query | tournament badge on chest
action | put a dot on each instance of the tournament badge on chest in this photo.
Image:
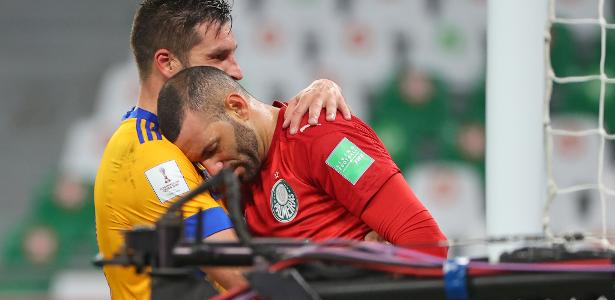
(284, 202)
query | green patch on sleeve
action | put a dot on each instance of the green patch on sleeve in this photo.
(349, 161)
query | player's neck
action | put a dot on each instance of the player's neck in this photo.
(148, 93)
(266, 122)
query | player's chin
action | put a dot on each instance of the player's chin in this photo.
(246, 173)
(245, 176)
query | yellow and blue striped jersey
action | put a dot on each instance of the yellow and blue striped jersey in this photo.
(140, 174)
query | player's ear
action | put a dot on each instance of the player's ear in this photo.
(237, 106)
(166, 63)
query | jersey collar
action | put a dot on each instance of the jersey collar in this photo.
(140, 113)
(280, 104)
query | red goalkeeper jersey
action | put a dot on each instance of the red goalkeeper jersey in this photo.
(317, 183)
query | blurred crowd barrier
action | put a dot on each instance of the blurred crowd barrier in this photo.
(414, 70)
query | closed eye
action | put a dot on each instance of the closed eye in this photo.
(222, 54)
(220, 57)
(209, 150)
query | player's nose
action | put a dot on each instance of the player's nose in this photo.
(213, 166)
(234, 70)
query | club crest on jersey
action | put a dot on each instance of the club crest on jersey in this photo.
(284, 202)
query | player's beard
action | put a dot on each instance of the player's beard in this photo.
(247, 146)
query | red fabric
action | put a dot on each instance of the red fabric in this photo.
(329, 205)
(400, 218)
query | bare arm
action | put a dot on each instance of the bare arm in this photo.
(227, 277)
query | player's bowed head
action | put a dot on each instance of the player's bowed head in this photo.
(215, 121)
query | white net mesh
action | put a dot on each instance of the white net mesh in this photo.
(555, 190)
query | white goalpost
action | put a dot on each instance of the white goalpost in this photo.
(515, 172)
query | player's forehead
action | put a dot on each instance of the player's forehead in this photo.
(215, 37)
(191, 137)
(199, 131)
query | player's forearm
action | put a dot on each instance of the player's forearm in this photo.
(398, 216)
(227, 277)
(422, 229)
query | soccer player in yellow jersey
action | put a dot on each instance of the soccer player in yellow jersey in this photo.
(141, 173)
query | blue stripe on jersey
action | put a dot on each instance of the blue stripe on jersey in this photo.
(140, 113)
(150, 118)
(148, 129)
(139, 132)
(214, 220)
(127, 114)
(157, 131)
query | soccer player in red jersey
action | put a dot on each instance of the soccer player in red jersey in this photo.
(331, 180)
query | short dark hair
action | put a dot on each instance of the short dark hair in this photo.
(200, 88)
(171, 24)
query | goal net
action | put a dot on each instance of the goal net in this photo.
(577, 143)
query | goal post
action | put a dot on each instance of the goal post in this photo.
(515, 157)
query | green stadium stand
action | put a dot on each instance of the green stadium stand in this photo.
(50, 237)
(411, 127)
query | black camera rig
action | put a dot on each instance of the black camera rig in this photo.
(338, 269)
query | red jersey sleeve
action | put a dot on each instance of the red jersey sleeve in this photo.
(400, 218)
(349, 162)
